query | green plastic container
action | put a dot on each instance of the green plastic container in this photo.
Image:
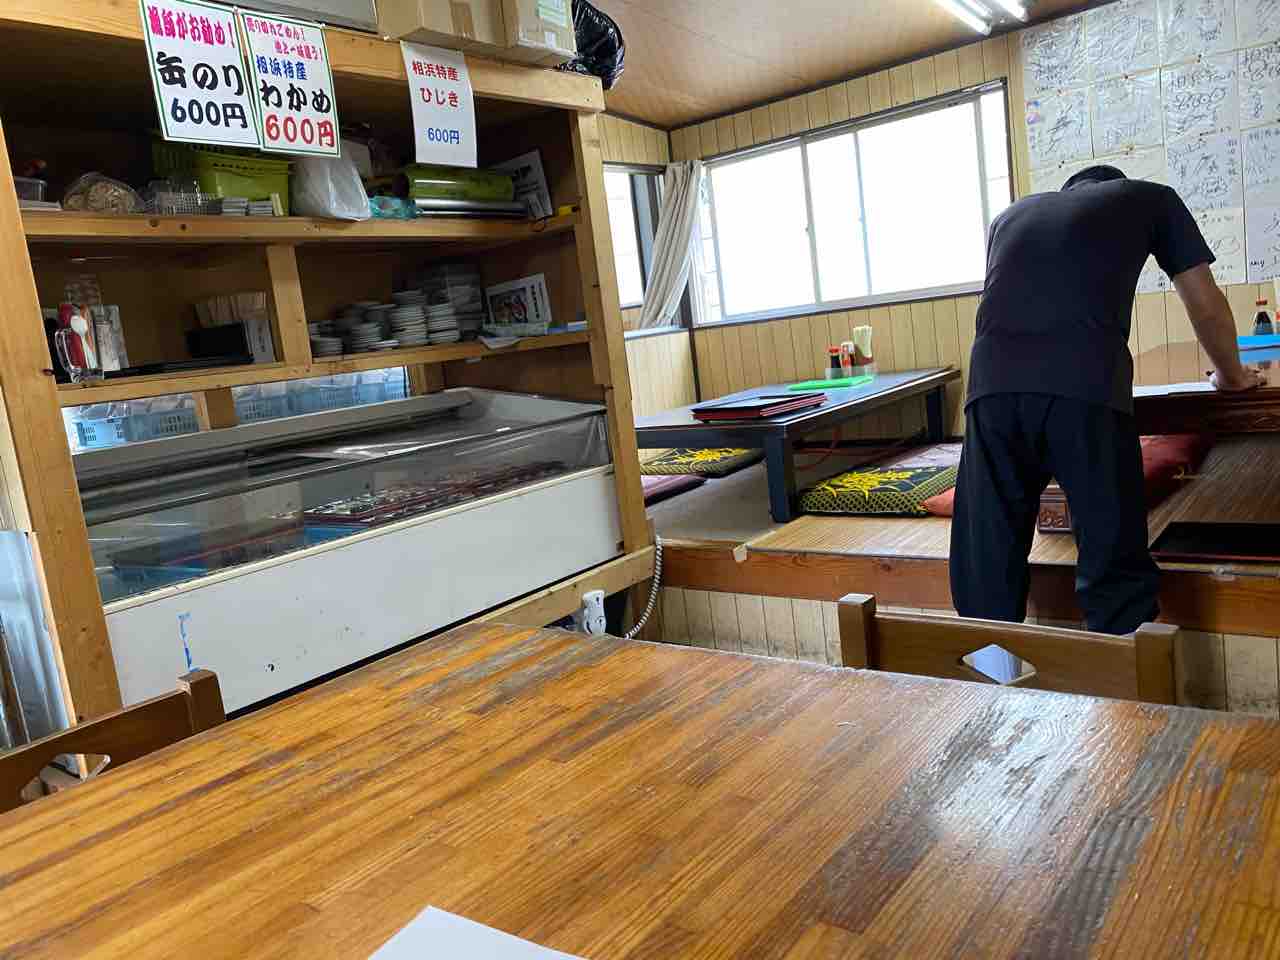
(224, 172)
(420, 181)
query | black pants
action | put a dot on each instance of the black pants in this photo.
(1013, 444)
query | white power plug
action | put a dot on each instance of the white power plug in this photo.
(590, 616)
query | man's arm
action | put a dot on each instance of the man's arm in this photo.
(1215, 328)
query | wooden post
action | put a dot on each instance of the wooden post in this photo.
(604, 325)
(857, 618)
(216, 409)
(47, 480)
(425, 378)
(289, 318)
(1153, 653)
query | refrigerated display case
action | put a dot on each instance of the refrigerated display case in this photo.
(277, 552)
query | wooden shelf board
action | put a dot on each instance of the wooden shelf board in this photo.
(49, 227)
(136, 388)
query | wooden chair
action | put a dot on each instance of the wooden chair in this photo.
(1134, 667)
(123, 736)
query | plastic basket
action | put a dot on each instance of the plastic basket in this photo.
(223, 172)
(154, 426)
(318, 398)
(256, 409)
(99, 434)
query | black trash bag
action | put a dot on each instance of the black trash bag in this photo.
(601, 50)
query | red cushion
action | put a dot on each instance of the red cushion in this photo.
(1166, 460)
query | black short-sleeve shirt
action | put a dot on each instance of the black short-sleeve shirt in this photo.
(1062, 270)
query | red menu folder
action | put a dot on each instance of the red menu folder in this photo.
(758, 408)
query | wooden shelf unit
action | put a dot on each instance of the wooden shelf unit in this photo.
(308, 264)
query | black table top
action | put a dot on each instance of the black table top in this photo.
(660, 430)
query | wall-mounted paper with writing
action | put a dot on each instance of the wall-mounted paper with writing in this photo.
(1126, 113)
(1262, 227)
(1153, 279)
(1200, 97)
(1257, 21)
(1206, 171)
(1259, 69)
(1049, 179)
(1195, 28)
(1224, 232)
(1262, 166)
(1121, 38)
(1058, 128)
(1053, 55)
(1149, 164)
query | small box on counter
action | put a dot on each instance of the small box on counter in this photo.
(539, 31)
(475, 26)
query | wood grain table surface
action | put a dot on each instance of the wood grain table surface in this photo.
(618, 799)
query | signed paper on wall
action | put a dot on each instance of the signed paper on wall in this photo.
(1053, 56)
(1126, 113)
(1058, 129)
(1206, 171)
(1195, 28)
(1223, 231)
(1200, 97)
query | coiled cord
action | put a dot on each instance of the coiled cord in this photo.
(653, 590)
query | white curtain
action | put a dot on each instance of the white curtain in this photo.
(673, 244)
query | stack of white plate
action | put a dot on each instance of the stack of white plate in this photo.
(442, 324)
(364, 337)
(324, 346)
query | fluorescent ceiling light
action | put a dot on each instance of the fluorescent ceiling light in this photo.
(1013, 8)
(965, 15)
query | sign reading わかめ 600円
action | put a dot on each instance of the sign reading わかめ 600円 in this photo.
(289, 63)
(198, 74)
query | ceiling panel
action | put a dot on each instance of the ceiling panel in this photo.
(691, 59)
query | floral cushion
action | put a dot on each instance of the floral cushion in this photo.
(878, 491)
(703, 463)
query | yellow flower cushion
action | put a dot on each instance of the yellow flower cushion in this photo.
(878, 491)
(703, 463)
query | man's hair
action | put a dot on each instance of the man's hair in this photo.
(1098, 174)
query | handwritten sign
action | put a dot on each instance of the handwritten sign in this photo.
(1260, 85)
(1142, 165)
(1263, 241)
(1053, 55)
(1153, 279)
(1195, 28)
(444, 116)
(1058, 128)
(1223, 231)
(1121, 38)
(1206, 171)
(197, 73)
(1262, 165)
(1126, 113)
(1200, 97)
(1050, 179)
(1258, 21)
(289, 63)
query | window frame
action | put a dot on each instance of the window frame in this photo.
(645, 206)
(971, 95)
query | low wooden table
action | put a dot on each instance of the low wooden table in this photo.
(777, 436)
(617, 799)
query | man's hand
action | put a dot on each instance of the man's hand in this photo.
(1245, 380)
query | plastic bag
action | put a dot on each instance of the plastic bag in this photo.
(97, 193)
(601, 50)
(328, 187)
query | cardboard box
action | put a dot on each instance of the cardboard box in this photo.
(475, 26)
(539, 31)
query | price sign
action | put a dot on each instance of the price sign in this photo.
(289, 65)
(444, 115)
(197, 73)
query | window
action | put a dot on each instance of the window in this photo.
(869, 212)
(633, 196)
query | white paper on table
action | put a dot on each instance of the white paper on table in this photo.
(1053, 55)
(1200, 97)
(1259, 70)
(1195, 28)
(1223, 231)
(1262, 231)
(1206, 171)
(437, 935)
(1125, 113)
(1121, 38)
(444, 107)
(1257, 21)
(1058, 128)
(1262, 165)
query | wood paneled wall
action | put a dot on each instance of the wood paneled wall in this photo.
(1214, 671)
(626, 142)
(661, 368)
(918, 334)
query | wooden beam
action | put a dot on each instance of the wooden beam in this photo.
(46, 475)
(216, 409)
(604, 325)
(563, 598)
(289, 316)
(425, 379)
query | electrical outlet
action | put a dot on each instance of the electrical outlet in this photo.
(590, 616)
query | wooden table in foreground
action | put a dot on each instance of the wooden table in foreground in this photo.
(617, 799)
